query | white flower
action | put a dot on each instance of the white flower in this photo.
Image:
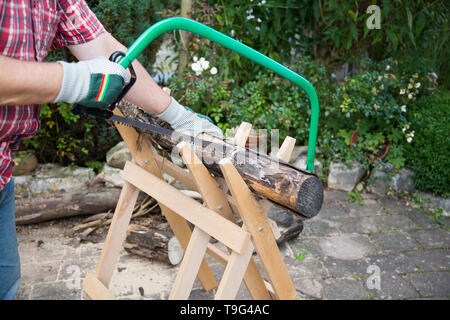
(402, 91)
(250, 17)
(388, 67)
(376, 107)
(410, 96)
(213, 70)
(257, 28)
(409, 139)
(410, 86)
(418, 85)
(259, 20)
(204, 63)
(411, 134)
(195, 58)
(196, 66)
(403, 108)
(232, 33)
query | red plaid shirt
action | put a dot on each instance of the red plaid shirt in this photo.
(28, 30)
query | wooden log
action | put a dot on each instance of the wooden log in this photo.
(153, 243)
(291, 187)
(65, 204)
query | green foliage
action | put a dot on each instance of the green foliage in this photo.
(339, 32)
(267, 101)
(375, 102)
(356, 197)
(66, 138)
(301, 254)
(429, 152)
(127, 19)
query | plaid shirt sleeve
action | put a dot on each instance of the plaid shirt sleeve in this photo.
(77, 25)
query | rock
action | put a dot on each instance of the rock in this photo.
(378, 181)
(300, 162)
(282, 217)
(118, 155)
(403, 181)
(49, 178)
(384, 179)
(344, 176)
(24, 163)
(111, 176)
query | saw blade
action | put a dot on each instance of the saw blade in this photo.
(153, 129)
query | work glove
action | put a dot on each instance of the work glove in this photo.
(94, 83)
(185, 121)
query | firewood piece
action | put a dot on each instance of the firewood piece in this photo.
(153, 243)
(65, 204)
(291, 187)
(105, 219)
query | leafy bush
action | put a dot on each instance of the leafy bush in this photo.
(429, 152)
(267, 101)
(127, 19)
(69, 139)
(375, 102)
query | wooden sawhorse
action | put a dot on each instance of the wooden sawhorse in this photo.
(213, 219)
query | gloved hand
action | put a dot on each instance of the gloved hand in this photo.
(185, 121)
(93, 83)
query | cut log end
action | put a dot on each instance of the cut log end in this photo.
(310, 197)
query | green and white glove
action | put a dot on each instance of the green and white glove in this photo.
(94, 83)
(185, 121)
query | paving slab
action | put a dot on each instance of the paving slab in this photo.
(340, 268)
(395, 222)
(438, 238)
(343, 289)
(59, 290)
(311, 288)
(431, 284)
(392, 263)
(308, 267)
(431, 260)
(370, 208)
(332, 212)
(349, 246)
(394, 287)
(320, 227)
(341, 248)
(364, 225)
(421, 219)
(397, 241)
(394, 205)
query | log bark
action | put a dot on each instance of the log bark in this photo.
(288, 186)
(153, 243)
(65, 204)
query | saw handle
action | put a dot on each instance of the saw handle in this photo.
(125, 89)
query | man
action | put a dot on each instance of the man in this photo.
(28, 30)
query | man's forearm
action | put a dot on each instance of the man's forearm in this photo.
(145, 93)
(26, 82)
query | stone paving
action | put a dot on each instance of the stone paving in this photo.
(382, 249)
